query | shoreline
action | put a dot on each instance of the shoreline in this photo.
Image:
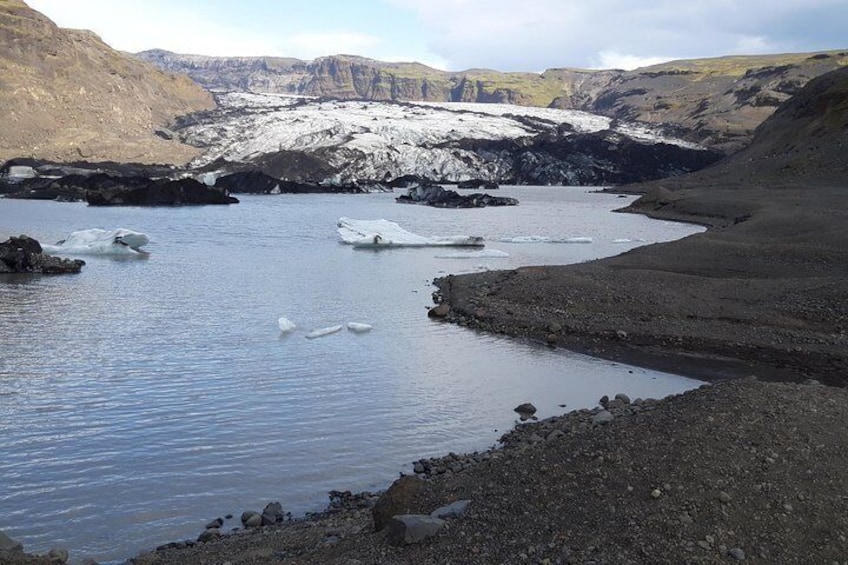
(704, 476)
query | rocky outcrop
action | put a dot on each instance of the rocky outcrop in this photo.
(438, 197)
(105, 190)
(257, 182)
(24, 255)
(66, 95)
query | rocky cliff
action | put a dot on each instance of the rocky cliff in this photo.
(66, 95)
(715, 102)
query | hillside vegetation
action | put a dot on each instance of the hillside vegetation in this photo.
(66, 95)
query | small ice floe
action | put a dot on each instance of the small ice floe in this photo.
(323, 332)
(377, 234)
(545, 239)
(482, 254)
(358, 328)
(627, 240)
(96, 241)
(286, 325)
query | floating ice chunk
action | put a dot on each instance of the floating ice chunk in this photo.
(286, 325)
(358, 328)
(101, 242)
(323, 331)
(545, 239)
(383, 233)
(482, 254)
(627, 240)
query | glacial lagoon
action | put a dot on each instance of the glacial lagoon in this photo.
(147, 396)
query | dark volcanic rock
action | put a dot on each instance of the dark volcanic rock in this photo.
(440, 198)
(105, 190)
(256, 182)
(24, 255)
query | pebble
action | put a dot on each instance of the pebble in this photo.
(723, 497)
(737, 554)
(656, 493)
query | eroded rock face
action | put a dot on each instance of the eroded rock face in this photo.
(24, 255)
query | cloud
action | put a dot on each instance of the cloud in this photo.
(312, 45)
(538, 34)
(613, 60)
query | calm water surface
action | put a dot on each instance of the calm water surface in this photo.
(144, 397)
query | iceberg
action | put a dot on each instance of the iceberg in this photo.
(96, 241)
(359, 328)
(545, 239)
(378, 234)
(482, 254)
(286, 325)
(323, 331)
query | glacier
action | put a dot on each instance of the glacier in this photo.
(382, 233)
(361, 139)
(96, 241)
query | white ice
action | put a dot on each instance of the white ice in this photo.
(96, 241)
(482, 254)
(383, 233)
(286, 325)
(357, 327)
(545, 239)
(323, 331)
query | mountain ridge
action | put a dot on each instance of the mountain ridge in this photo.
(717, 102)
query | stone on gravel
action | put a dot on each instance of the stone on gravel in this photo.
(602, 417)
(399, 499)
(273, 510)
(251, 519)
(216, 523)
(209, 534)
(453, 510)
(723, 497)
(623, 397)
(58, 555)
(407, 529)
(737, 554)
(439, 311)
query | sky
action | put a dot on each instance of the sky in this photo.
(506, 35)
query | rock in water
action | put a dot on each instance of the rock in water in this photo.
(434, 195)
(24, 255)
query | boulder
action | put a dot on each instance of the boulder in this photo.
(526, 408)
(251, 519)
(24, 255)
(400, 498)
(436, 196)
(406, 529)
(58, 555)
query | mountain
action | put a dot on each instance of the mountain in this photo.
(66, 95)
(317, 139)
(716, 102)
